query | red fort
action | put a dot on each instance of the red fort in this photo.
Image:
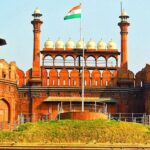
(56, 85)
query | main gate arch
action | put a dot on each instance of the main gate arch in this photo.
(4, 111)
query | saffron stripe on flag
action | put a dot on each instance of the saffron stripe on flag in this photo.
(75, 8)
(73, 13)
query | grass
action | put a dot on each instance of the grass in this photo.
(76, 131)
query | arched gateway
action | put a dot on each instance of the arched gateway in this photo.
(4, 111)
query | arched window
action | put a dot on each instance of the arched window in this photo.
(87, 79)
(101, 62)
(74, 78)
(106, 78)
(53, 77)
(69, 61)
(90, 61)
(64, 77)
(111, 62)
(96, 78)
(81, 61)
(48, 61)
(59, 61)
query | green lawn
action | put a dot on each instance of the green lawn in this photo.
(75, 131)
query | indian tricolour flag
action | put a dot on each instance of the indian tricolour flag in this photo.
(73, 13)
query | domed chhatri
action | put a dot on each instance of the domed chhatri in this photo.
(37, 11)
(124, 13)
(101, 45)
(80, 44)
(70, 44)
(111, 45)
(59, 44)
(49, 44)
(91, 44)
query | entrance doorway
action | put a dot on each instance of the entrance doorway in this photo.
(4, 111)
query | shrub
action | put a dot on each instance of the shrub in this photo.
(77, 131)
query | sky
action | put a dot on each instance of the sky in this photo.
(99, 20)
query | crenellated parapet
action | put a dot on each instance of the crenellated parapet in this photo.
(125, 78)
(143, 76)
(11, 74)
(21, 78)
(8, 71)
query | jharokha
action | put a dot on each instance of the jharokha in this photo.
(54, 83)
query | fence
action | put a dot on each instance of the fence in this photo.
(130, 117)
(100, 108)
(127, 117)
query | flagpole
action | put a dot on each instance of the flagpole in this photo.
(80, 26)
(82, 65)
(83, 79)
(80, 29)
(71, 15)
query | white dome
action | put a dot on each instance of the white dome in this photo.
(37, 11)
(111, 45)
(101, 45)
(49, 44)
(59, 44)
(91, 44)
(70, 44)
(124, 13)
(80, 44)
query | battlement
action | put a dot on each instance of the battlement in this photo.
(8, 71)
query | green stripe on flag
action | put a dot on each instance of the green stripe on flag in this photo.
(72, 16)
